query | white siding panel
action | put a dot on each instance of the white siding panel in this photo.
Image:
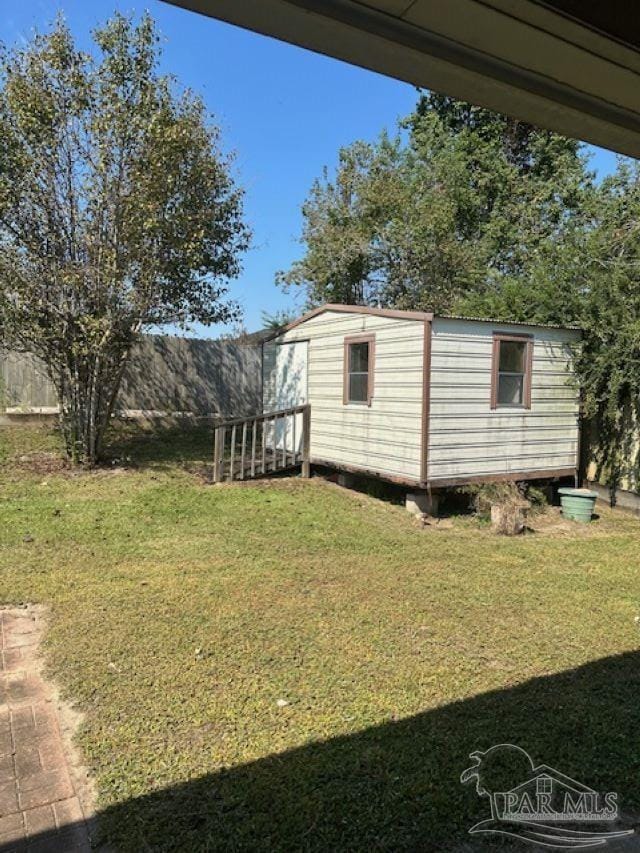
(490, 466)
(378, 462)
(453, 407)
(466, 438)
(385, 437)
(269, 376)
(469, 439)
(505, 450)
(481, 379)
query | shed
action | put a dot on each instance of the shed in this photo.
(429, 401)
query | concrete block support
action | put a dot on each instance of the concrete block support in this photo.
(422, 503)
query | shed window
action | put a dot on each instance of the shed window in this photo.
(511, 374)
(358, 370)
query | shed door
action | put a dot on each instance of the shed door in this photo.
(290, 389)
(291, 375)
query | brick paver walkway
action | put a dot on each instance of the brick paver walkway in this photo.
(40, 811)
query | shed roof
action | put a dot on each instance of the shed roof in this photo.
(570, 327)
(405, 315)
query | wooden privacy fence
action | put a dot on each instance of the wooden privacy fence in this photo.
(164, 375)
(251, 447)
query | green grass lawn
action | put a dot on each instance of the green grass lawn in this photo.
(184, 616)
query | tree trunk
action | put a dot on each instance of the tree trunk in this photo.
(87, 390)
(509, 519)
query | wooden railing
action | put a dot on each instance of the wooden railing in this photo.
(251, 447)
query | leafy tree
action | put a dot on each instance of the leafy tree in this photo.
(592, 279)
(514, 187)
(117, 212)
(466, 200)
(277, 319)
(341, 221)
(606, 270)
(487, 216)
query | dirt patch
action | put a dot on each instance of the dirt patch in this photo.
(44, 464)
(551, 522)
(40, 462)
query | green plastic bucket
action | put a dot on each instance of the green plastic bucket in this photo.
(577, 504)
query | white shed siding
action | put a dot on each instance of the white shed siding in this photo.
(269, 376)
(384, 437)
(467, 437)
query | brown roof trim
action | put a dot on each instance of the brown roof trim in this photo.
(354, 309)
(365, 472)
(512, 476)
(426, 400)
(570, 328)
(408, 315)
(448, 482)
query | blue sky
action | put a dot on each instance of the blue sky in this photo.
(283, 110)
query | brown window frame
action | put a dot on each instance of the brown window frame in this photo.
(348, 341)
(498, 337)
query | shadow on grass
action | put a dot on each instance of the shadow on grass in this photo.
(397, 786)
(184, 442)
(147, 444)
(452, 503)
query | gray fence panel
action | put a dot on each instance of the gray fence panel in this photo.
(24, 384)
(165, 375)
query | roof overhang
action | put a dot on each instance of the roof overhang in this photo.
(572, 66)
(398, 314)
(352, 309)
